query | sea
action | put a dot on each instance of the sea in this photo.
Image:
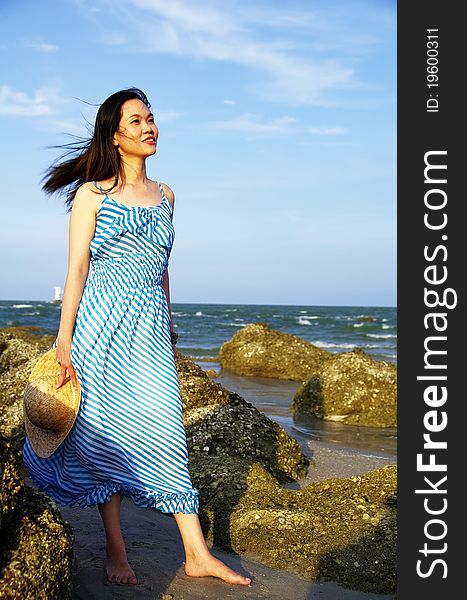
(203, 328)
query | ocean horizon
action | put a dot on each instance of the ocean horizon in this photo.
(204, 327)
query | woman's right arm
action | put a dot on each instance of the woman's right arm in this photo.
(82, 226)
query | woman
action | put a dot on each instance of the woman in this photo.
(116, 338)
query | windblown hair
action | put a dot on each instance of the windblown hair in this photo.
(96, 158)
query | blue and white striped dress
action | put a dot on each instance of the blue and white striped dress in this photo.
(129, 434)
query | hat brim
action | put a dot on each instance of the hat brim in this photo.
(45, 442)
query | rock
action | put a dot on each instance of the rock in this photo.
(338, 529)
(238, 458)
(352, 388)
(258, 350)
(37, 543)
(221, 423)
(20, 348)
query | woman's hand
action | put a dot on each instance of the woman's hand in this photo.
(63, 356)
(174, 350)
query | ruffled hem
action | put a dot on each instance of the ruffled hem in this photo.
(166, 502)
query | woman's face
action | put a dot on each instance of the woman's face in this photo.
(137, 132)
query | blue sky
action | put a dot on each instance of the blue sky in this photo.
(277, 129)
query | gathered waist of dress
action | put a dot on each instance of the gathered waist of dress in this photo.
(134, 271)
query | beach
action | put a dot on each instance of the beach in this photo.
(156, 553)
(155, 549)
(154, 546)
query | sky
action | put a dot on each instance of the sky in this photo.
(277, 135)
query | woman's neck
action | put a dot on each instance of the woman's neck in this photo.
(135, 171)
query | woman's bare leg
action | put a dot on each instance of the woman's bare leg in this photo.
(116, 562)
(199, 560)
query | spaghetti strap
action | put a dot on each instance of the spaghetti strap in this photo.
(99, 187)
(164, 197)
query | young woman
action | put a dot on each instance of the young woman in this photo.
(116, 337)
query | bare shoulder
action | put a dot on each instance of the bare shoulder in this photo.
(87, 197)
(169, 193)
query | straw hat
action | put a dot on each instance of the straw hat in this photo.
(49, 413)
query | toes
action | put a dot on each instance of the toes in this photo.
(241, 579)
(123, 579)
(120, 574)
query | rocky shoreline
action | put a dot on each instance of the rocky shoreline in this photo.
(349, 387)
(339, 529)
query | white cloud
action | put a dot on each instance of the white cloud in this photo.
(201, 31)
(328, 130)
(17, 103)
(114, 38)
(272, 17)
(250, 124)
(41, 46)
(229, 101)
(84, 5)
(193, 16)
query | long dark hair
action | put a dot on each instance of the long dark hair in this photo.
(96, 158)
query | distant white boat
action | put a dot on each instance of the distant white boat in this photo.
(58, 297)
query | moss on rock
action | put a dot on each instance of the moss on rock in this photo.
(20, 348)
(338, 529)
(220, 423)
(261, 351)
(352, 388)
(37, 543)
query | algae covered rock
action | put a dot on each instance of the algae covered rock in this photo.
(338, 529)
(20, 348)
(36, 553)
(352, 388)
(261, 351)
(221, 423)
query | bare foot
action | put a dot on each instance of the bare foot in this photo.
(210, 565)
(119, 570)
